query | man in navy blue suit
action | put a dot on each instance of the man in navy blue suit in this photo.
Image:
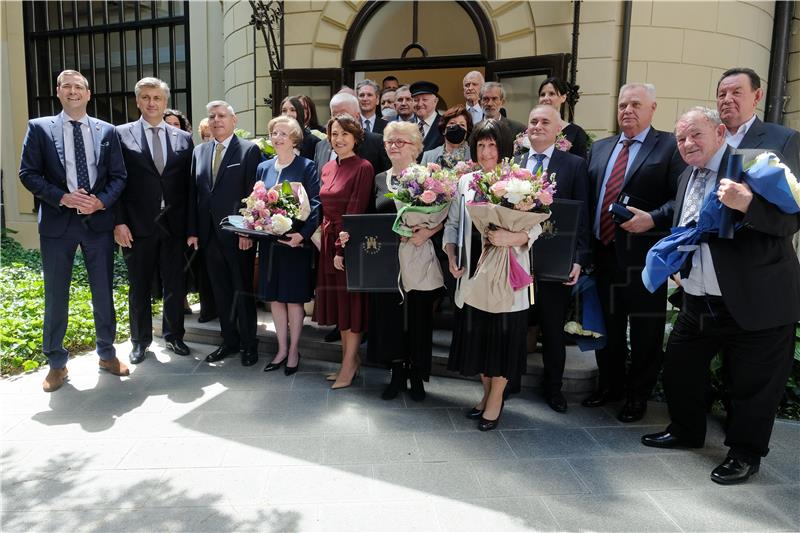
(223, 173)
(641, 167)
(73, 164)
(151, 216)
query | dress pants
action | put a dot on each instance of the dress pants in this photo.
(624, 298)
(163, 255)
(58, 255)
(230, 271)
(552, 302)
(758, 364)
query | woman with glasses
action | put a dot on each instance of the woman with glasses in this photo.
(456, 126)
(286, 264)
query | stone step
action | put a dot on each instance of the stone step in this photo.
(580, 372)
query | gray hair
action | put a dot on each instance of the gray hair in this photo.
(472, 74)
(405, 88)
(370, 83)
(60, 78)
(493, 85)
(153, 83)
(649, 88)
(219, 103)
(345, 98)
(711, 115)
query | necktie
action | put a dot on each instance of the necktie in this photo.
(613, 187)
(421, 125)
(217, 160)
(367, 125)
(694, 200)
(80, 157)
(158, 151)
(539, 163)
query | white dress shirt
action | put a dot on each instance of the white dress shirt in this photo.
(735, 139)
(475, 112)
(162, 136)
(69, 152)
(548, 153)
(427, 122)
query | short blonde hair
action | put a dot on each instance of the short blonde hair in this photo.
(295, 131)
(203, 128)
(406, 129)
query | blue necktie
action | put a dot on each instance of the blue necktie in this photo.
(539, 160)
(80, 157)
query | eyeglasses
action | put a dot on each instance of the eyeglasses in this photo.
(397, 142)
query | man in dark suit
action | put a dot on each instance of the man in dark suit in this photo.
(73, 165)
(641, 165)
(371, 149)
(493, 98)
(404, 104)
(223, 172)
(151, 216)
(742, 297)
(367, 93)
(425, 101)
(553, 297)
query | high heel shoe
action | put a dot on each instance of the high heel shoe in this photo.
(474, 414)
(344, 384)
(488, 425)
(289, 370)
(275, 366)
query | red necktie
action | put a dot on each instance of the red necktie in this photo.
(613, 187)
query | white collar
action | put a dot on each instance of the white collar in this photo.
(225, 143)
(548, 152)
(743, 129)
(146, 125)
(66, 119)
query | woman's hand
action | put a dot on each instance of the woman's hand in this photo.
(245, 243)
(502, 237)
(295, 240)
(343, 238)
(454, 270)
(338, 262)
(574, 274)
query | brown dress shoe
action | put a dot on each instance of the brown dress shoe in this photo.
(55, 379)
(114, 366)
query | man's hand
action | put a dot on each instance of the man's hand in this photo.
(734, 195)
(574, 274)
(245, 243)
(338, 262)
(642, 221)
(82, 201)
(122, 235)
(192, 241)
(295, 240)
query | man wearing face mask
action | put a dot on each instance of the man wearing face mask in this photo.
(455, 127)
(388, 111)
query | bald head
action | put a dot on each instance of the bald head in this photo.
(544, 124)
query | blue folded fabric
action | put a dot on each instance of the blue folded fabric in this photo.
(591, 314)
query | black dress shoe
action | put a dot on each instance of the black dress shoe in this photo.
(202, 319)
(178, 346)
(474, 414)
(665, 439)
(138, 353)
(557, 402)
(397, 383)
(600, 398)
(220, 353)
(488, 425)
(417, 389)
(333, 335)
(250, 356)
(632, 411)
(289, 370)
(275, 366)
(733, 471)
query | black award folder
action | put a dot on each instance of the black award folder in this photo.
(553, 252)
(370, 257)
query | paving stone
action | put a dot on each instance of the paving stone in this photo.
(318, 484)
(617, 512)
(370, 449)
(175, 453)
(541, 443)
(625, 474)
(408, 420)
(377, 516)
(527, 477)
(785, 462)
(494, 514)
(626, 439)
(421, 481)
(362, 398)
(276, 450)
(463, 446)
(206, 487)
(695, 466)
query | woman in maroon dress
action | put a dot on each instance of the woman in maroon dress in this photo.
(346, 190)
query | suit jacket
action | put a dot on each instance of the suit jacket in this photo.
(434, 137)
(572, 183)
(139, 207)
(515, 127)
(43, 172)
(378, 124)
(371, 149)
(773, 137)
(303, 171)
(652, 179)
(235, 180)
(757, 271)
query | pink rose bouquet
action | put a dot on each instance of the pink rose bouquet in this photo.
(273, 210)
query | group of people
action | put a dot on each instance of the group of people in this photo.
(146, 185)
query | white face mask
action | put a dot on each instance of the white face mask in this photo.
(389, 113)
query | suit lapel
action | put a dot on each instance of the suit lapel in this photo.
(141, 140)
(172, 144)
(604, 156)
(754, 136)
(97, 138)
(57, 133)
(644, 152)
(233, 146)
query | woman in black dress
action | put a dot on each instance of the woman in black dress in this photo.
(286, 265)
(553, 91)
(293, 107)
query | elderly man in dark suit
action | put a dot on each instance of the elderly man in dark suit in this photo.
(493, 98)
(639, 168)
(553, 297)
(425, 98)
(73, 164)
(223, 173)
(742, 297)
(151, 216)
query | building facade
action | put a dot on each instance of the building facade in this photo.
(209, 50)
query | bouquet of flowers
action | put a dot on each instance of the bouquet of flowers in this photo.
(511, 198)
(274, 210)
(422, 198)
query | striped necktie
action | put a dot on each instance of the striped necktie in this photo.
(613, 188)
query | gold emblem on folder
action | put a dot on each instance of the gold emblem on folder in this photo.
(371, 245)
(549, 229)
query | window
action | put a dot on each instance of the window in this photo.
(113, 44)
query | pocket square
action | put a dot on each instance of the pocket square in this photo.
(234, 165)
